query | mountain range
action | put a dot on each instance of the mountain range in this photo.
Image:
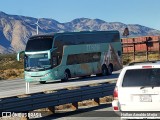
(15, 29)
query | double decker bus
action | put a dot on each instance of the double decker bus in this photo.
(71, 54)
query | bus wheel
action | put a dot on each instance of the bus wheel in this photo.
(42, 82)
(66, 76)
(110, 70)
(98, 75)
(87, 76)
(104, 70)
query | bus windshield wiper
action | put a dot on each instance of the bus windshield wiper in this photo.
(28, 68)
(41, 67)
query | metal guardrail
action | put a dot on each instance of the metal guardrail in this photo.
(46, 99)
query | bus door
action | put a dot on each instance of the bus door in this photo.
(57, 68)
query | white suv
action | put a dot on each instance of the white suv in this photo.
(138, 88)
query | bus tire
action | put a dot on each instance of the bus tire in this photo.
(104, 70)
(42, 82)
(87, 76)
(110, 69)
(98, 75)
(66, 76)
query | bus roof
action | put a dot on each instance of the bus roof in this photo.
(58, 40)
(73, 33)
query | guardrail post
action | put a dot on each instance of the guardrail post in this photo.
(75, 106)
(27, 87)
(134, 49)
(96, 101)
(51, 109)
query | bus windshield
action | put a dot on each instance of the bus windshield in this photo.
(39, 44)
(37, 62)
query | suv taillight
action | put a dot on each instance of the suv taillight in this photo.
(115, 94)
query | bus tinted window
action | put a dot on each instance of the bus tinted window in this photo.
(83, 58)
(68, 40)
(64, 40)
(39, 44)
(93, 38)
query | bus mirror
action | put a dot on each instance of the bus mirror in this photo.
(49, 55)
(18, 55)
(119, 53)
(18, 58)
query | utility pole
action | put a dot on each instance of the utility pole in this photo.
(126, 34)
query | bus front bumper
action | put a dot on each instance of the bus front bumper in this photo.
(39, 76)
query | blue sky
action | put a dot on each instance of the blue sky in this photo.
(143, 12)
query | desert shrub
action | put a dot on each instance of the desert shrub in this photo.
(8, 61)
(10, 68)
(126, 61)
(11, 73)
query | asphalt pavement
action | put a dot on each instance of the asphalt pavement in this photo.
(17, 87)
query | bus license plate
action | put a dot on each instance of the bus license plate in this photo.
(37, 79)
(145, 98)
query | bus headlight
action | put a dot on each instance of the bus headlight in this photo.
(46, 74)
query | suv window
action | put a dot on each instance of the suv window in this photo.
(141, 77)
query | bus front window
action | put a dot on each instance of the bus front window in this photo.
(37, 62)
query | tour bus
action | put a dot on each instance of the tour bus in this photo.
(71, 54)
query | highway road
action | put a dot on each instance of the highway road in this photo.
(17, 87)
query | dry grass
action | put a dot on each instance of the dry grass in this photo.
(10, 68)
(128, 58)
(63, 107)
(11, 74)
(107, 99)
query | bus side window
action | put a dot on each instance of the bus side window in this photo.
(75, 59)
